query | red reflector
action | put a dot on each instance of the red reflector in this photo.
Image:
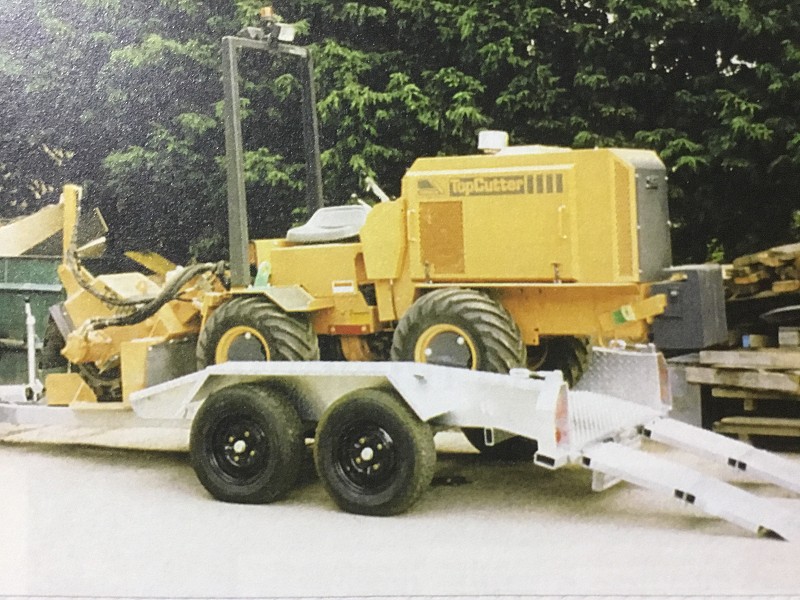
(349, 329)
(562, 417)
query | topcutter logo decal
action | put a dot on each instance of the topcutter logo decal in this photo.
(488, 186)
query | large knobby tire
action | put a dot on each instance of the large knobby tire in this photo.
(373, 454)
(570, 355)
(459, 328)
(247, 444)
(465, 328)
(253, 328)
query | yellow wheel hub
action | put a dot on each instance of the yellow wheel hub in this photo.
(446, 344)
(241, 343)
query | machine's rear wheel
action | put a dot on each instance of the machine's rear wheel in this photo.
(247, 444)
(373, 454)
(467, 329)
(570, 355)
(253, 328)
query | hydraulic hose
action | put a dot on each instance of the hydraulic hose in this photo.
(167, 294)
(73, 262)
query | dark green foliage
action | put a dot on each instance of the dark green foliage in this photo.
(125, 95)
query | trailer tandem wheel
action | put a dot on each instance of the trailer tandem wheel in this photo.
(247, 444)
(373, 454)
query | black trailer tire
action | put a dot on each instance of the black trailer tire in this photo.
(465, 328)
(247, 444)
(373, 454)
(253, 328)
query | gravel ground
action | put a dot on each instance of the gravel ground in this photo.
(83, 521)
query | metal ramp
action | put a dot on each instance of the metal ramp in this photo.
(737, 455)
(715, 497)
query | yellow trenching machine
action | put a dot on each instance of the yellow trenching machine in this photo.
(516, 256)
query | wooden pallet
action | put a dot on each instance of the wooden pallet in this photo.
(756, 378)
(787, 382)
(744, 427)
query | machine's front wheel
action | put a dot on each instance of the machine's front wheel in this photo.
(247, 444)
(467, 329)
(253, 328)
(373, 454)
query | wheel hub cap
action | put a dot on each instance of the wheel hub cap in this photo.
(239, 448)
(366, 457)
(446, 344)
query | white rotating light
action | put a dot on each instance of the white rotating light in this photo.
(491, 141)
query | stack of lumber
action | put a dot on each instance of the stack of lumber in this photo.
(755, 377)
(776, 270)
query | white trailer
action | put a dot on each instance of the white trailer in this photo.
(245, 426)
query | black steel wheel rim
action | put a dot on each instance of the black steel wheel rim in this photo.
(239, 448)
(365, 458)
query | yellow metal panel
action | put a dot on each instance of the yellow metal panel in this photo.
(260, 250)
(625, 218)
(441, 238)
(316, 267)
(384, 297)
(129, 285)
(153, 261)
(383, 238)
(70, 197)
(514, 222)
(20, 236)
(642, 310)
(65, 388)
(526, 214)
(133, 360)
(570, 309)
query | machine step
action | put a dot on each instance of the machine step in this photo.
(715, 497)
(737, 455)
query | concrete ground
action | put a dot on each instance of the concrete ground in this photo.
(96, 522)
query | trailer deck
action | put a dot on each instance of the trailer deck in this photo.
(601, 431)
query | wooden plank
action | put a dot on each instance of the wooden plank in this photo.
(748, 260)
(786, 252)
(746, 291)
(790, 285)
(757, 340)
(789, 338)
(751, 278)
(764, 358)
(782, 381)
(744, 394)
(746, 426)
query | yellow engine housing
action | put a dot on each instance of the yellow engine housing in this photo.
(562, 238)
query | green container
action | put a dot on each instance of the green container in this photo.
(21, 277)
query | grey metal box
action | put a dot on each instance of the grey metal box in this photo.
(695, 314)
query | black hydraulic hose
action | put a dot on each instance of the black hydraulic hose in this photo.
(170, 292)
(74, 264)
